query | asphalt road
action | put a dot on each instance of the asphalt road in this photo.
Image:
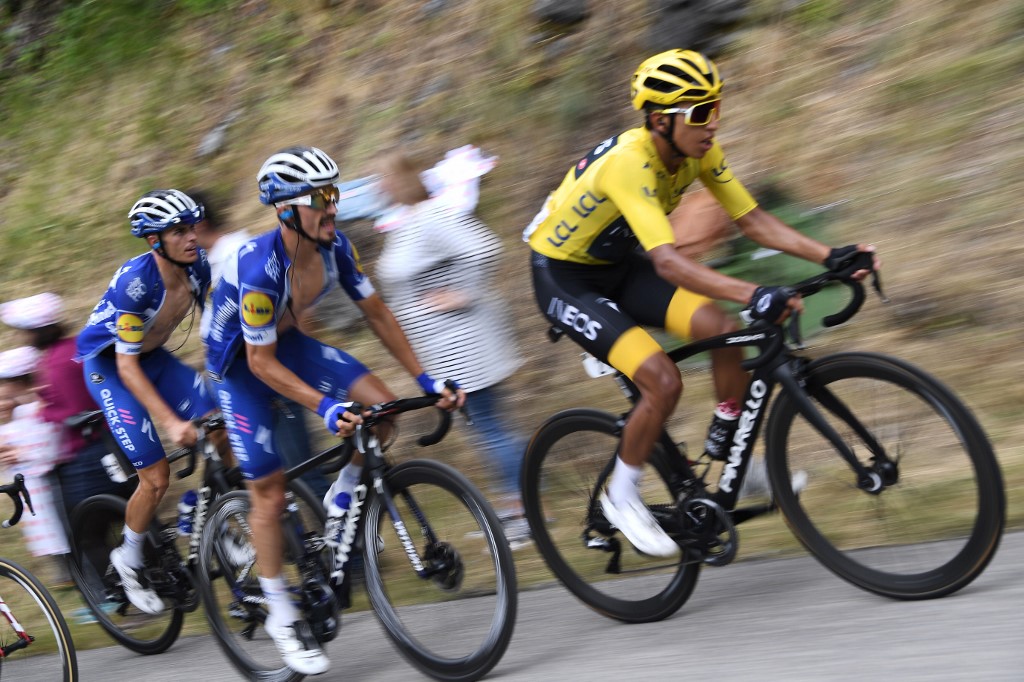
(758, 620)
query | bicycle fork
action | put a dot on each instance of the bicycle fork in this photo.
(792, 376)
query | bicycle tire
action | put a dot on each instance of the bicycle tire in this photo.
(34, 662)
(255, 657)
(927, 535)
(97, 524)
(443, 639)
(567, 461)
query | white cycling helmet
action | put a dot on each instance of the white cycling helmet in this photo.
(295, 171)
(160, 209)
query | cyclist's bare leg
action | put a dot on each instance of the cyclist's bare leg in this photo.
(268, 501)
(729, 377)
(660, 387)
(153, 482)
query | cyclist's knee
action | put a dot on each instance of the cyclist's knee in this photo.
(658, 380)
(711, 320)
(267, 494)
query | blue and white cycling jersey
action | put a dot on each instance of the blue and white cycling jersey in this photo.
(128, 309)
(254, 293)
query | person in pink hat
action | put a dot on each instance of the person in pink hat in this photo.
(29, 446)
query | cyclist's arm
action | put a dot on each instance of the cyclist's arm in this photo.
(179, 430)
(683, 272)
(386, 328)
(263, 363)
(767, 230)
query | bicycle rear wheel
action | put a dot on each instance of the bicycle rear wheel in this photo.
(567, 464)
(937, 522)
(97, 525)
(229, 580)
(456, 623)
(50, 653)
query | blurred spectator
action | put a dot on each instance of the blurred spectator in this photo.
(437, 270)
(30, 446)
(60, 386)
(291, 437)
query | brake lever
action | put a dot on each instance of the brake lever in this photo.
(794, 330)
(20, 480)
(876, 283)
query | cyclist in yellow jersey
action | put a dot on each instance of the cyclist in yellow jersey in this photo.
(591, 280)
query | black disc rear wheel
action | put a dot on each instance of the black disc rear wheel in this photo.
(97, 526)
(567, 464)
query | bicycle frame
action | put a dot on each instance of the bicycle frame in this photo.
(375, 466)
(775, 364)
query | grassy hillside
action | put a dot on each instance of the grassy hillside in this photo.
(907, 114)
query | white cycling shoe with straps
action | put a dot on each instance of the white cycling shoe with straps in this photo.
(135, 586)
(298, 647)
(756, 484)
(635, 521)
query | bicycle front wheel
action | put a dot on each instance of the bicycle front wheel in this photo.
(937, 521)
(452, 615)
(97, 526)
(567, 465)
(34, 637)
(228, 579)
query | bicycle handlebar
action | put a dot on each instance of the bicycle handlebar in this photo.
(16, 491)
(862, 261)
(378, 412)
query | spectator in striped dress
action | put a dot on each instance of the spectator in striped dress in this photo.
(437, 270)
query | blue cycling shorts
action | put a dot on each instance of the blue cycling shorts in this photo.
(247, 402)
(180, 386)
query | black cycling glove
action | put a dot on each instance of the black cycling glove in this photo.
(768, 303)
(841, 257)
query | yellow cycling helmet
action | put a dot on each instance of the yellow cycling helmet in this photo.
(675, 76)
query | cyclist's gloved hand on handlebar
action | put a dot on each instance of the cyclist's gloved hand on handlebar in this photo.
(453, 395)
(844, 257)
(337, 418)
(772, 304)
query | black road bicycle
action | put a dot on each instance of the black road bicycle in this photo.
(35, 643)
(435, 562)
(97, 525)
(904, 496)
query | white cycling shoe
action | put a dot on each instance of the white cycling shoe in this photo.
(138, 591)
(637, 523)
(756, 484)
(298, 648)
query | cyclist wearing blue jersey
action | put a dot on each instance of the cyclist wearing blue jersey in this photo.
(255, 351)
(140, 385)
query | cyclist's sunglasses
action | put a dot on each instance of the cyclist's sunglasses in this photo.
(317, 199)
(699, 114)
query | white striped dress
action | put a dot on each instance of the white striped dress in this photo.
(435, 248)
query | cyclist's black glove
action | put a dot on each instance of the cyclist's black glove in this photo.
(841, 257)
(768, 303)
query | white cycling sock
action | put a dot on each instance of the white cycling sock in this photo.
(133, 547)
(625, 480)
(281, 609)
(346, 482)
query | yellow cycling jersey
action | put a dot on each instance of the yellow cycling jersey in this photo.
(620, 195)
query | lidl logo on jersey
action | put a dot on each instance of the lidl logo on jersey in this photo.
(257, 309)
(130, 328)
